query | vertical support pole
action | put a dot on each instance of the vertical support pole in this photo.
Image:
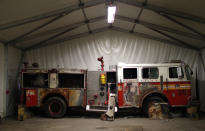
(17, 77)
(202, 61)
(5, 87)
(198, 86)
(19, 65)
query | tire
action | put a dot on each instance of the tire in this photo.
(55, 107)
(149, 102)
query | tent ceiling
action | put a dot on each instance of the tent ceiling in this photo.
(49, 21)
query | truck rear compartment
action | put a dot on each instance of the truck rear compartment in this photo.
(97, 93)
(71, 80)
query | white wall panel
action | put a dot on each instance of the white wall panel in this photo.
(113, 46)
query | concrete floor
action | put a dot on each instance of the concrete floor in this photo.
(93, 123)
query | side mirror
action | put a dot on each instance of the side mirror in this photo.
(191, 73)
(179, 72)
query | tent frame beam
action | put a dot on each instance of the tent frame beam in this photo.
(57, 12)
(68, 38)
(61, 28)
(144, 23)
(51, 38)
(138, 16)
(173, 38)
(81, 5)
(58, 41)
(182, 24)
(158, 39)
(119, 17)
(159, 27)
(4, 43)
(13, 42)
(72, 8)
(164, 10)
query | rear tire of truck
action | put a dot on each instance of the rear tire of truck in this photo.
(55, 107)
(150, 102)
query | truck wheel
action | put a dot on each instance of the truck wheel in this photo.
(149, 103)
(55, 107)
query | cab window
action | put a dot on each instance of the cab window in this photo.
(174, 72)
(150, 73)
(130, 73)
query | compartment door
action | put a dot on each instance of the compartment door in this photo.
(76, 97)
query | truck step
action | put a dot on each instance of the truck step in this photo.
(96, 108)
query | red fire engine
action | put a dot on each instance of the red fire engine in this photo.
(132, 85)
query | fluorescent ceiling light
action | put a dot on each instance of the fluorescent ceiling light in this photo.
(111, 14)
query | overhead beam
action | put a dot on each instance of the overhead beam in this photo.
(155, 38)
(116, 29)
(87, 4)
(52, 31)
(173, 38)
(17, 47)
(138, 16)
(68, 38)
(13, 42)
(71, 8)
(164, 10)
(4, 43)
(65, 10)
(182, 24)
(171, 30)
(81, 4)
(159, 27)
(50, 38)
(117, 17)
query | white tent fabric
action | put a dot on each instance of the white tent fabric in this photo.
(8, 93)
(114, 46)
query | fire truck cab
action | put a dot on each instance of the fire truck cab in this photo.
(141, 84)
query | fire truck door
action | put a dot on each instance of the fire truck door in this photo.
(130, 94)
(130, 87)
(174, 86)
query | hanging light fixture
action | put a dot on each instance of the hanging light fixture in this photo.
(111, 13)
